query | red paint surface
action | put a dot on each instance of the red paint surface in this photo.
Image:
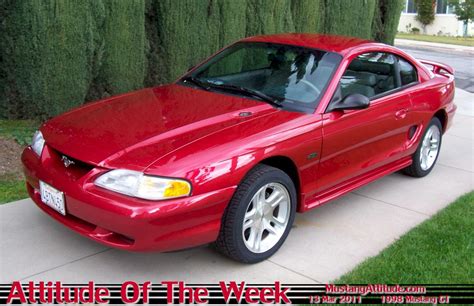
(178, 131)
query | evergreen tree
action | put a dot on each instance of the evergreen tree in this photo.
(464, 11)
(425, 12)
(386, 19)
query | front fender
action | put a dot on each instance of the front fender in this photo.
(223, 159)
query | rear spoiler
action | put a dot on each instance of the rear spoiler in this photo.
(438, 68)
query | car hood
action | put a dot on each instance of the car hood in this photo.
(151, 123)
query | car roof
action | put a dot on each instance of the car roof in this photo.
(333, 43)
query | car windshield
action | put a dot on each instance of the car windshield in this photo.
(287, 76)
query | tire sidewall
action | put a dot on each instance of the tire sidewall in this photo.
(275, 176)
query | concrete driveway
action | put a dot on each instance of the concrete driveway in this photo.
(324, 244)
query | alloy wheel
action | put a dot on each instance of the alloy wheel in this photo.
(430, 147)
(266, 217)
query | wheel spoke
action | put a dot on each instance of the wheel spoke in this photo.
(268, 226)
(250, 214)
(248, 223)
(278, 222)
(255, 202)
(258, 238)
(260, 198)
(429, 135)
(275, 194)
(426, 154)
(424, 159)
(251, 239)
(277, 201)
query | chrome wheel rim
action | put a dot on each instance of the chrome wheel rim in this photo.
(266, 218)
(430, 148)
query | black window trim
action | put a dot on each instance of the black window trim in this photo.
(409, 62)
(395, 90)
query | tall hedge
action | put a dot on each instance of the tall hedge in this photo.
(181, 32)
(385, 23)
(123, 62)
(229, 16)
(57, 54)
(349, 17)
(152, 43)
(308, 15)
(48, 49)
(269, 17)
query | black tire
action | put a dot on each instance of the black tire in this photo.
(415, 169)
(230, 241)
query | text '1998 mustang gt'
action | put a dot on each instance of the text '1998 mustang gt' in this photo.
(267, 127)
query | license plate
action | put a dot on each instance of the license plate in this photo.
(53, 198)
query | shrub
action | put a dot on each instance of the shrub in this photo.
(227, 21)
(269, 17)
(348, 17)
(426, 12)
(57, 54)
(464, 11)
(215, 22)
(308, 15)
(183, 36)
(123, 62)
(385, 23)
(48, 49)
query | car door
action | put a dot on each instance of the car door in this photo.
(356, 142)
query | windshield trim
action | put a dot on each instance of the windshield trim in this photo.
(291, 106)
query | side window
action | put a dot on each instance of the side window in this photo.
(370, 74)
(407, 72)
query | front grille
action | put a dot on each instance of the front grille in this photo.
(73, 167)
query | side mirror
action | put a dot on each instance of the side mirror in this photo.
(352, 101)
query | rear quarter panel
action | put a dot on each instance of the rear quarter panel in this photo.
(431, 96)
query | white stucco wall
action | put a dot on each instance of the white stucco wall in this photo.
(443, 25)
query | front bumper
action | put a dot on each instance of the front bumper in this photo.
(121, 221)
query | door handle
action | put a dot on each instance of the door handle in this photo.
(401, 114)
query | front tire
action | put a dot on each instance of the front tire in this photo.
(427, 153)
(259, 216)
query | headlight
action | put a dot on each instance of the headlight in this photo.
(137, 184)
(37, 144)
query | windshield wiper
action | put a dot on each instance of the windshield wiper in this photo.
(249, 92)
(197, 82)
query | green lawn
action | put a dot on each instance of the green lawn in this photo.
(12, 185)
(451, 40)
(20, 130)
(440, 250)
(12, 189)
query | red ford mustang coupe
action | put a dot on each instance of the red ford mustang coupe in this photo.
(267, 127)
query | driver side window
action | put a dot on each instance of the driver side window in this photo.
(370, 74)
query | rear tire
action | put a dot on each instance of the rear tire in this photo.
(259, 217)
(428, 150)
